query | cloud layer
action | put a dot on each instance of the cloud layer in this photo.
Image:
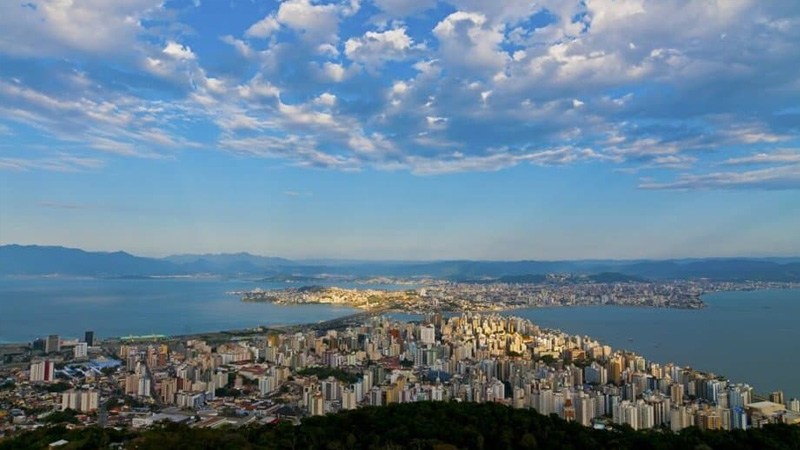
(668, 92)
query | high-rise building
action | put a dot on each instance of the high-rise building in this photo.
(132, 384)
(88, 337)
(330, 389)
(39, 345)
(615, 370)
(794, 405)
(42, 371)
(84, 401)
(81, 350)
(53, 344)
(777, 397)
(168, 388)
(89, 401)
(427, 334)
(70, 399)
(596, 374)
(349, 399)
(144, 387)
(676, 394)
(266, 384)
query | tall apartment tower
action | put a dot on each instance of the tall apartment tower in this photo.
(53, 344)
(777, 397)
(42, 371)
(81, 350)
(88, 337)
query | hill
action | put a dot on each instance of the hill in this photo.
(46, 260)
(424, 425)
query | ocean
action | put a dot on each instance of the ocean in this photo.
(36, 307)
(750, 337)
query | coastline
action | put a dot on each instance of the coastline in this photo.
(612, 326)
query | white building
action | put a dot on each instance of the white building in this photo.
(427, 334)
(43, 371)
(266, 384)
(190, 400)
(349, 399)
(81, 350)
(144, 387)
(83, 401)
(70, 399)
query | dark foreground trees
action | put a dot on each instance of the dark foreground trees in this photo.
(427, 425)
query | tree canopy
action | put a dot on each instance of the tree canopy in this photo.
(424, 425)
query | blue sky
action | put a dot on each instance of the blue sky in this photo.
(402, 129)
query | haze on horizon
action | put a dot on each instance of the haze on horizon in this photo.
(402, 129)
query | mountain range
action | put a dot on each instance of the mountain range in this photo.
(49, 260)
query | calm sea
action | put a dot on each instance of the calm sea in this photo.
(35, 307)
(750, 337)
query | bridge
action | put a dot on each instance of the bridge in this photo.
(339, 322)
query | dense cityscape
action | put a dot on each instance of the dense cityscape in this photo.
(271, 375)
(554, 290)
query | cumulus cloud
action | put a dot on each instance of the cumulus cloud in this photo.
(374, 48)
(675, 88)
(53, 27)
(178, 51)
(314, 21)
(263, 28)
(468, 41)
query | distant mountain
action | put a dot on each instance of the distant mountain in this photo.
(522, 279)
(45, 260)
(613, 277)
(228, 259)
(734, 269)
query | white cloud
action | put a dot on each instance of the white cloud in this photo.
(783, 177)
(786, 155)
(314, 21)
(263, 28)
(326, 99)
(52, 27)
(642, 85)
(178, 51)
(258, 88)
(333, 71)
(241, 47)
(507, 11)
(468, 41)
(374, 48)
(328, 49)
(399, 87)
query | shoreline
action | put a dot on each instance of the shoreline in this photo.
(403, 311)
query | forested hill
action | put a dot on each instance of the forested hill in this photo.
(427, 425)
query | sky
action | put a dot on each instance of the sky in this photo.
(402, 129)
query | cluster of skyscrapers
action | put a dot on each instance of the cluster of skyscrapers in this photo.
(471, 358)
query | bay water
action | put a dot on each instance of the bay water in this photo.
(751, 337)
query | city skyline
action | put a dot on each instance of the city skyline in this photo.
(413, 130)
